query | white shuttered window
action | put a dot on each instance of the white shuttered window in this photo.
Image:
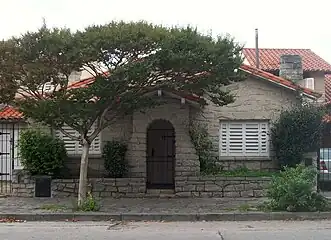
(244, 138)
(73, 147)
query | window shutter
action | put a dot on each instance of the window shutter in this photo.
(73, 146)
(46, 87)
(236, 136)
(244, 138)
(251, 138)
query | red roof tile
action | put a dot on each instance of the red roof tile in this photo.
(270, 59)
(327, 87)
(278, 80)
(10, 113)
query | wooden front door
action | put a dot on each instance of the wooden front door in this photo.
(160, 155)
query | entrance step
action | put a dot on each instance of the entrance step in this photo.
(162, 193)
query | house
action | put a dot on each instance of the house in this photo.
(160, 151)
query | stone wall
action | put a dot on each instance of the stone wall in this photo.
(202, 186)
(214, 186)
(23, 186)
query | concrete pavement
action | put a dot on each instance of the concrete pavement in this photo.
(303, 230)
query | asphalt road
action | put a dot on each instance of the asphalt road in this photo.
(164, 231)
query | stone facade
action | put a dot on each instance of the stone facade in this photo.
(217, 186)
(202, 186)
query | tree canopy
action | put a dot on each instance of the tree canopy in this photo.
(126, 60)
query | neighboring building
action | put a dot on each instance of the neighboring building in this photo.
(314, 67)
(160, 150)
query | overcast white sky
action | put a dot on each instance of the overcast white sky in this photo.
(281, 23)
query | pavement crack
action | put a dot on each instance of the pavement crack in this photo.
(220, 234)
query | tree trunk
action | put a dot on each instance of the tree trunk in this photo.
(82, 189)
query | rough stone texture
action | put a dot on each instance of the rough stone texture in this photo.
(255, 99)
(214, 186)
(203, 186)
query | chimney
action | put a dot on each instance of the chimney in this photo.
(257, 57)
(291, 68)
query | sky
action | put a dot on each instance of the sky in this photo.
(281, 23)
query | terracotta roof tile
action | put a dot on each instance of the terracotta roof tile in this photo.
(270, 59)
(10, 113)
(327, 86)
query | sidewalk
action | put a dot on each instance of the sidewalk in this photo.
(146, 209)
(128, 205)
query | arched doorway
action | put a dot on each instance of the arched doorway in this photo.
(160, 155)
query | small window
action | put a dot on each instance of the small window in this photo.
(241, 138)
(73, 147)
(309, 83)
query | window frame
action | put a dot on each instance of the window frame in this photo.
(226, 139)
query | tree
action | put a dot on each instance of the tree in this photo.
(127, 61)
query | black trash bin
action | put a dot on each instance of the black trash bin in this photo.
(43, 186)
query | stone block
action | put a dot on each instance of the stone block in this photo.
(206, 194)
(106, 194)
(189, 188)
(183, 194)
(99, 187)
(201, 188)
(259, 193)
(212, 188)
(247, 193)
(110, 189)
(123, 189)
(232, 194)
(218, 194)
(195, 194)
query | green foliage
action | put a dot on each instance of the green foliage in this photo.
(42, 154)
(127, 60)
(204, 148)
(90, 204)
(245, 172)
(293, 190)
(114, 158)
(296, 132)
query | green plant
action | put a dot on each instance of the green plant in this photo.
(245, 172)
(114, 159)
(204, 147)
(297, 131)
(42, 154)
(293, 190)
(90, 204)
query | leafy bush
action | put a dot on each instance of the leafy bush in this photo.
(293, 190)
(90, 204)
(296, 132)
(114, 158)
(42, 154)
(204, 148)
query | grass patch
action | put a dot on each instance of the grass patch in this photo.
(54, 207)
(245, 172)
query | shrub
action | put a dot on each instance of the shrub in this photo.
(42, 154)
(296, 132)
(114, 159)
(293, 190)
(90, 204)
(204, 148)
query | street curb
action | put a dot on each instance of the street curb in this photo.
(190, 217)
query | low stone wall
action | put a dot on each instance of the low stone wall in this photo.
(200, 186)
(214, 186)
(101, 187)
